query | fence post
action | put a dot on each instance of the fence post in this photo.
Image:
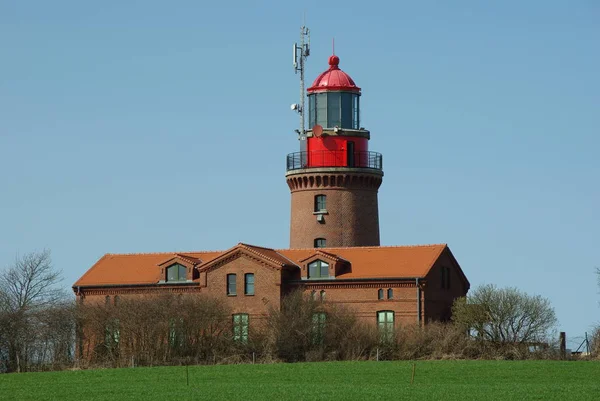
(563, 345)
(253, 358)
(587, 345)
(377, 357)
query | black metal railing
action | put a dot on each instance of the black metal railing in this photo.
(334, 158)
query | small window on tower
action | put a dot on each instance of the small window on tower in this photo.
(320, 203)
(320, 243)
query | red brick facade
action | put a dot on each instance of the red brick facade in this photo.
(352, 213)
(409, 281)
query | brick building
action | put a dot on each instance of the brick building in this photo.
(334, 238)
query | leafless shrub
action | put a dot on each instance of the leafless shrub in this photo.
(504, 316)
(155, 330)
(36, 323)
(595, 343)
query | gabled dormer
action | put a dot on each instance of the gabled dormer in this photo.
(323, 266)
(178, 269)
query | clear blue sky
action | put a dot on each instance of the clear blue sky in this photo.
(163, 126)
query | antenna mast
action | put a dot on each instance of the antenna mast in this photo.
(301, 52)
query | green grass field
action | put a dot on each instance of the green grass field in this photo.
(434, 380)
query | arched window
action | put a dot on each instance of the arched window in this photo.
(313, 295)
(390, 293)
(116, 300)
(380, 293)
(231, 284)
(320, 242)
(107, 300)
(322, 295)
(249, 284)
(176, 272)
(320, 203)
(318, 269)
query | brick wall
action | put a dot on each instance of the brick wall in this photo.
(362, 299)
(267, 287)
(352, 217)
(439, 300)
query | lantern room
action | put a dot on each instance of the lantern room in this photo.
(335, 137)
(333, 99)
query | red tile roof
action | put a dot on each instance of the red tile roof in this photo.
(136, 268)
(365, 262)
(380, 261)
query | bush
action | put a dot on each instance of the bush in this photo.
(504, 317)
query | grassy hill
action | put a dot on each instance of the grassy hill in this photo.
(434, 380)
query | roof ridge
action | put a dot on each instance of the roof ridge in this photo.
(251, 249)
(363, 247)
(256, 246)
(162, 253)
(272, 249)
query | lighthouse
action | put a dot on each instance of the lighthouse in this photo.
(334, 178)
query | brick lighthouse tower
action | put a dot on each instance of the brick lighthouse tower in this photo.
(334, 179)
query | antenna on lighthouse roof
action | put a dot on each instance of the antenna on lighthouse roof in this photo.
(301, 52)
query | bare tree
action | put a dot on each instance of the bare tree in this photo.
(505, 315)
(28, 289)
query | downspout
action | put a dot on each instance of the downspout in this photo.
(418, 301)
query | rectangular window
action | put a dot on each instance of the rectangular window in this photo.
(385, 323)
(347, 110)
(320, 203)
(231, 284)
(445, 277)
(112, 333)
(312, 111)
(240, 327)
(176, 333)
(249, 284)
(355, 112)
(318, 327)
(333, 110)
(320, 243)
(321, 109)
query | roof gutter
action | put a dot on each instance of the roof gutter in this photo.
(353, 280)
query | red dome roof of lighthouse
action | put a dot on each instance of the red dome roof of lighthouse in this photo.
(334, 79)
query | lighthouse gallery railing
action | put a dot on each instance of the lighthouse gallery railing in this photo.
(334, 158)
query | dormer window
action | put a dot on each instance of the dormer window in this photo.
(318, 269)
(176, 272)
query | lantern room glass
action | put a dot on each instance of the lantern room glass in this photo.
(334, 109)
